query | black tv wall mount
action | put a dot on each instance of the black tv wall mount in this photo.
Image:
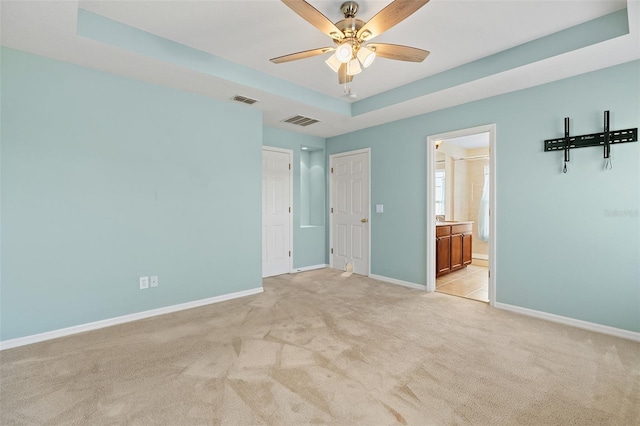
(604, 139)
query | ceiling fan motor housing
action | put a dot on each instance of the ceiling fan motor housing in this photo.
(350, 26)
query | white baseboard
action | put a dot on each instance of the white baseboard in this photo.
(479, 256)
(398, 282)
(310, 268)
(35, 338)
(586, 325)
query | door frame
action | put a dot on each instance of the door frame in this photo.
(290, 153)
(431, 211)
(331, 158)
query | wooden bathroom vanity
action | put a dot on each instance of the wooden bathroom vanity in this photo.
(453, 246)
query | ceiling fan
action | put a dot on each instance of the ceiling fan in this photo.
(351, 36)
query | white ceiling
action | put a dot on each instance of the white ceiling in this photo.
(456, 32)
(480, 140)
(252, 32)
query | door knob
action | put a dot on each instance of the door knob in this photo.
(363, 220)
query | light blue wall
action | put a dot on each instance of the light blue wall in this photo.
(115, 33)
(308, 242)
(313, 178)
(105, 179)
(560, 246)
(305, 187)
(317, 187)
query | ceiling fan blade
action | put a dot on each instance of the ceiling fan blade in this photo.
(301, 55)
(395, 12)
(315, 18)
(398, 52)
(343, 77)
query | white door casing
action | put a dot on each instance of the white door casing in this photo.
(349, 214)
(493, 210)
(276, 211)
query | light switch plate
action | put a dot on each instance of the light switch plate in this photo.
(144, 283)
(379, 208)
(154, 281)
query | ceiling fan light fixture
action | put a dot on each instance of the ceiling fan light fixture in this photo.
(353, 67)
(344, 52)
(333, 63)
(350, 34)
(366, 56)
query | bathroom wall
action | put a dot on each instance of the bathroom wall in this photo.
(464, 180)
(455, 181)
(460, 194)
(475, 184)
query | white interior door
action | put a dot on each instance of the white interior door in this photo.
(350, 211)
(276, 212)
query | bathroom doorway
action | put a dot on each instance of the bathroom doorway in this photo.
(461, 187)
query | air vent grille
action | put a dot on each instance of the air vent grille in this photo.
(244, 99)
(300, 120)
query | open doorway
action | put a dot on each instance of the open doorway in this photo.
(461, 226)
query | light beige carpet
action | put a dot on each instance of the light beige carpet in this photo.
(319, 348)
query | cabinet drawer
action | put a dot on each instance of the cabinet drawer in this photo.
(460, 229)
(443, 231)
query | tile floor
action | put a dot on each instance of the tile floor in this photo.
(471, 282)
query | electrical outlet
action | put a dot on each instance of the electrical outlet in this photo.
(154, 281)
(144, 283)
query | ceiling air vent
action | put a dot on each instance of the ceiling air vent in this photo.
(300, 120)
(244, 99)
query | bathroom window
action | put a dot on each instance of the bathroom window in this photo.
(440, 191)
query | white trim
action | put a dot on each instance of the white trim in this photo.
(479, 256)
(311, 268)
(398, 282)
(586, 325)
(431, 215)
(54, 334)
(347, 153)
(338, 155)
(493, 213)
(290, 152)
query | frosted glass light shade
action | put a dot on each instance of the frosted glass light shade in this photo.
(353, 67)
(344, 52)
(366, 56)
(333, 63)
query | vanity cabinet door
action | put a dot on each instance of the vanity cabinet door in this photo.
(456, 251)
(443, 255)
(466, 249)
